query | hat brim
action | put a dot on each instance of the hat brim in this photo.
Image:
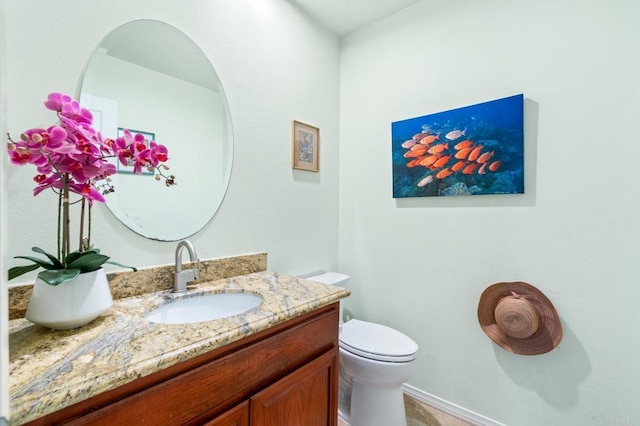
(546, 337)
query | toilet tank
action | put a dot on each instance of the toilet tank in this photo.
(332, 278)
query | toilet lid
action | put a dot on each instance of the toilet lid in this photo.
(376, 341)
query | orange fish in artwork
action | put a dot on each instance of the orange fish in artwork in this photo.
(429, 160)
(437, 149)
(419, 136)
(470, 169)
(475, 153)
(482, 169)
(444, 173)
(425, 180)
(458, 166)
(429, 139)
(485, 157)
(462, 154)
(442, 161)
(408, 144)
(415, 162)
(412, 153)
(464, 144)
(455, 134)
(495, 165)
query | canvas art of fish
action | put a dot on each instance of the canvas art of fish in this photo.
(474, 150)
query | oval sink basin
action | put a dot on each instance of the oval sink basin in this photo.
(204, 308)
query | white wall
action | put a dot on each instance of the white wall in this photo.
(420, 265)
(4, 303)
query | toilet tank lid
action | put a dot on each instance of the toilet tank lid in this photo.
(331, 278)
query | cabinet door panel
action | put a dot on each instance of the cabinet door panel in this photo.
(305, 397)
(237, 416)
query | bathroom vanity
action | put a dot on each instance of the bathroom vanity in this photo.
(274, 365)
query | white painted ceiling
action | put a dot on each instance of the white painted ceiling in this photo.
(345, 16)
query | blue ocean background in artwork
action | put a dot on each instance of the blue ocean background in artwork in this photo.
(474, 150)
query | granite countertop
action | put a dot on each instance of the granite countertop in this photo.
(50, 370)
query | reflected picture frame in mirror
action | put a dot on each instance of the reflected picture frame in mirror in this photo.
(147, 74)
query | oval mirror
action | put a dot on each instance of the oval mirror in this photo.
(150, 78)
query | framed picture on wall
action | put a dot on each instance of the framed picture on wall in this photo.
(473, 150)
(306, 147)
(148, 136)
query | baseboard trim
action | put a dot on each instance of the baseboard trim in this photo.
(448, 407)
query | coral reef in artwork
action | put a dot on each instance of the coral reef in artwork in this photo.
(478, 149)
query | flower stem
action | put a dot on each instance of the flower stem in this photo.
(66, 243)
(89, 229)
(81, 246)
(60, 258)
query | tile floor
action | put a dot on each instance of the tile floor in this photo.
(419, 414)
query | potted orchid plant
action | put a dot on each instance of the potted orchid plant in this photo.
(72, 160)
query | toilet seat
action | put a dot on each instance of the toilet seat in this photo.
(376, 342)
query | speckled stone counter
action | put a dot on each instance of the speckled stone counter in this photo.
(50, 370)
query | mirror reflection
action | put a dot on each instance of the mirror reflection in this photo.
(150, 78)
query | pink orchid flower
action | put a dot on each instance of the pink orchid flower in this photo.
(55, 101)
(159, 153)
(75, 149)
(72, 157)
(87, 191)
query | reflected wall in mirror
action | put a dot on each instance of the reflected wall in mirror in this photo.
(149, 76)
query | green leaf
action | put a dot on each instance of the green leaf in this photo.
(88, 261)
(74, 255)
(16, 271)
(54, 260)
(111, 262)
(58, 276)
(38, 261)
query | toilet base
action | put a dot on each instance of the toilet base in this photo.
(376, 406)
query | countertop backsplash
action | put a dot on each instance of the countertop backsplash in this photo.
(150, 280)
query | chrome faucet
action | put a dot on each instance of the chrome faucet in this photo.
(183, 277)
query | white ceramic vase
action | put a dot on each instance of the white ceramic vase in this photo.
(71, 304)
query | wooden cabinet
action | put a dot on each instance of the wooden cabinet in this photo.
(237, 416)
(303, 398)
(286, 375)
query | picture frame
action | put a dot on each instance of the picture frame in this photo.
(306, 147)
(148, 136)
(472, 150)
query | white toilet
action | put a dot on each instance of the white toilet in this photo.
(375, 361)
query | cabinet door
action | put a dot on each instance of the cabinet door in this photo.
(306, 397)
(237, 416)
